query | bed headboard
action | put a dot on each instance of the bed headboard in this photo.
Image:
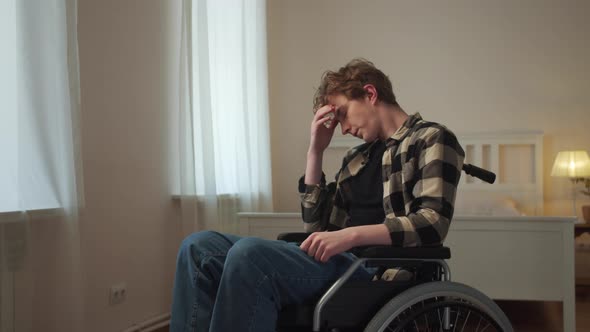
(517, 160)
(516, 157)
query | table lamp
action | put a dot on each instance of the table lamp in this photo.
(572, 164)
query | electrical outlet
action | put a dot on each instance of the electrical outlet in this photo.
(118, 293)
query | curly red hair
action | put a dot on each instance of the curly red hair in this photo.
(350, 80)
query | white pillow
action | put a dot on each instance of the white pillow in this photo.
(474, 205)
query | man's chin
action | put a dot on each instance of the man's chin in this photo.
(369, 139)
(364, 138)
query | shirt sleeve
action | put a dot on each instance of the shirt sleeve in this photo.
(315, 204)
(431, 181)
(321, 204)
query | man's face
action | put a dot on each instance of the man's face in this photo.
(358, 118)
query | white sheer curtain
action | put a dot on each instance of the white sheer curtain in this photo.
(44, 152)
(224, 136)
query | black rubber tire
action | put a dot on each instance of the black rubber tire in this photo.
(430, 290)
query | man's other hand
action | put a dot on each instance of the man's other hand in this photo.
(323, 245)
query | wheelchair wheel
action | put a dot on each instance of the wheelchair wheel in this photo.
(423, 308)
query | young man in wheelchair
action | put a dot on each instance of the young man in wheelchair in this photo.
(398, 189)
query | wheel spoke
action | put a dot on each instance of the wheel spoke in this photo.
(466, 319)
(456, 319)
(485, 328)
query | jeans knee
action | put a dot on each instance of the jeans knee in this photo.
(195, 243)
(247, 252)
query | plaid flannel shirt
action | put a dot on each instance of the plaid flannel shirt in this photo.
(421, 168)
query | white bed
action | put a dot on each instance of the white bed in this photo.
(499, 241)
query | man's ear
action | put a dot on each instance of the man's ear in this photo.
(371, 93)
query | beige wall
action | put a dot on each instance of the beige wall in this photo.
(472, 65)
(128, 66)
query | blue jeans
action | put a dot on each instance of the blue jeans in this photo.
(227, 283)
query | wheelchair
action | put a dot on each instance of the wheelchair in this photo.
(429, 301)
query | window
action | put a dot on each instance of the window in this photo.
(229, 98)
(36, 149)
(8, 110)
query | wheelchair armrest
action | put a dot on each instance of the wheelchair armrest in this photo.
(293, 237)
(439, 252)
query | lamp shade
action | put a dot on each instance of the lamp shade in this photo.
(573, 164)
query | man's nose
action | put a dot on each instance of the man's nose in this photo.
(345, 128)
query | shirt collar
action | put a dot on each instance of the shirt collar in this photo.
(403, 131)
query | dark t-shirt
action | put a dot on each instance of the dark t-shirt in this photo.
(364, 201)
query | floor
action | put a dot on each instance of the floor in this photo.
(540, 316)
(547, 316)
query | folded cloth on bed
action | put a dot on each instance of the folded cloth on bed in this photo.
(474, 205)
